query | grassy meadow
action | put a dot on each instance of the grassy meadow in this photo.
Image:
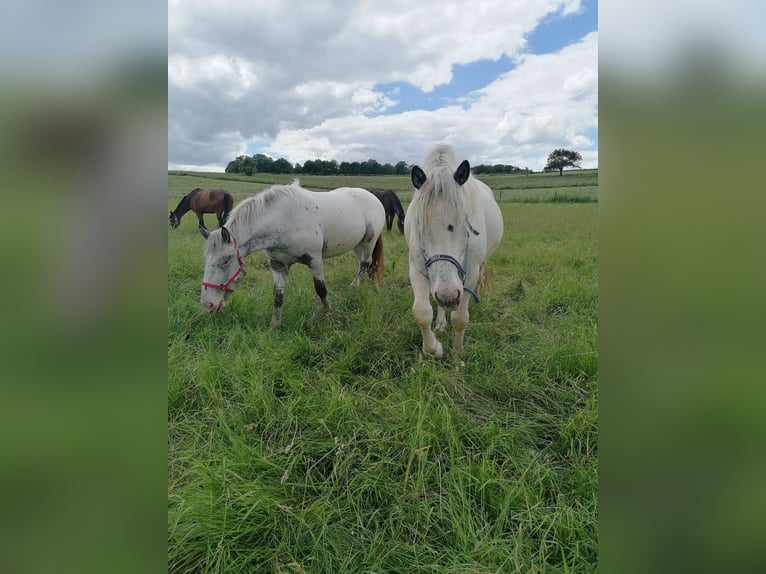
(330, 445)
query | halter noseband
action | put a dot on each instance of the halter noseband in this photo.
(461, 271)
(241, 270)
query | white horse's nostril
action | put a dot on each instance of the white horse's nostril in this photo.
(450, 301)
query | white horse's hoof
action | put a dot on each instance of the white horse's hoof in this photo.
(437, 353)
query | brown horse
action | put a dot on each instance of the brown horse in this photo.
(218, 201)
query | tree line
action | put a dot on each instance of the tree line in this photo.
(262, 163)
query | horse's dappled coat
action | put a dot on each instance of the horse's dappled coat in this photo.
(293, 225)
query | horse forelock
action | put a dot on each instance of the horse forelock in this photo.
(442, 155)
(440, 193)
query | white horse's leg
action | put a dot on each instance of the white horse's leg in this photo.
(460, 315)
(459, 323)
(441, 319)
(279, 273)
(424, 314)
(364, 255)
(317, 272)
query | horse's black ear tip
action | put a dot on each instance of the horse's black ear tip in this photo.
(418, 176)
(463, 172)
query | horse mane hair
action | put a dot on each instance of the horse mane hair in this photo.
(440, 191)
(248, 209)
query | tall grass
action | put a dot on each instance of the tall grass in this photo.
(331, 445)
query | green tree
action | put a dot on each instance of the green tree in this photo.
(282, 166)
(561, 158)
(263, 163)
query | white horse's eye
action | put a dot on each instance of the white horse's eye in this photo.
(225, 260)
(450, 228)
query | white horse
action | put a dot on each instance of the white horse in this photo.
(293, 225)
(453, 224)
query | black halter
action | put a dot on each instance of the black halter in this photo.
(461, 267)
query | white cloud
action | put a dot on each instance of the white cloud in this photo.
(302, 81)
(548, 101)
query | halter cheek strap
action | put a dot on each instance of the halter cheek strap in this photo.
(242, 270)
(460, 267)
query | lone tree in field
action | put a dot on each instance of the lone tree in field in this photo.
(561, 158)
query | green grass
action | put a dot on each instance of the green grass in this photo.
(331, 445)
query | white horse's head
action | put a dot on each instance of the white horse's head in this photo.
(443, 228)
(224, 268)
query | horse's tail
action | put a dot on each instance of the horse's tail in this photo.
(377, 258)
(228, 203)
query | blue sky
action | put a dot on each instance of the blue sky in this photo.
(555, 32)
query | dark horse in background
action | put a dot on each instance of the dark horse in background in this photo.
(392, 206)
(218, 201)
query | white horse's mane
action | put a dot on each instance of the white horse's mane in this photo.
(247, 210)
(440, 191)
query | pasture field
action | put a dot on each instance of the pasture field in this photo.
(330, 445)
(576, 186)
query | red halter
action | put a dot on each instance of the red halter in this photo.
(241, 270)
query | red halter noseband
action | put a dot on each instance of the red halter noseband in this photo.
(241, 270)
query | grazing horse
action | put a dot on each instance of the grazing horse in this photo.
(293, 225)
(453, 224)
(393, 207)
(218, 201)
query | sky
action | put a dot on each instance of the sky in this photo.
(502, 81)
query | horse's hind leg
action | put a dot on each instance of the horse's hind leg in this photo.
(317, 272)
(279, 272)
(363, 253)
(441, 319)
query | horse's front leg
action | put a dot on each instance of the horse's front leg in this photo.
(424, 314)
(460, 315)
(279, 272)
(459, 323)
(201, 220)
(317, 272)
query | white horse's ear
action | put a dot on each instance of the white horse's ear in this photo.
(203, 231)
(462, 172)
(225, 235)
(418, 176)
